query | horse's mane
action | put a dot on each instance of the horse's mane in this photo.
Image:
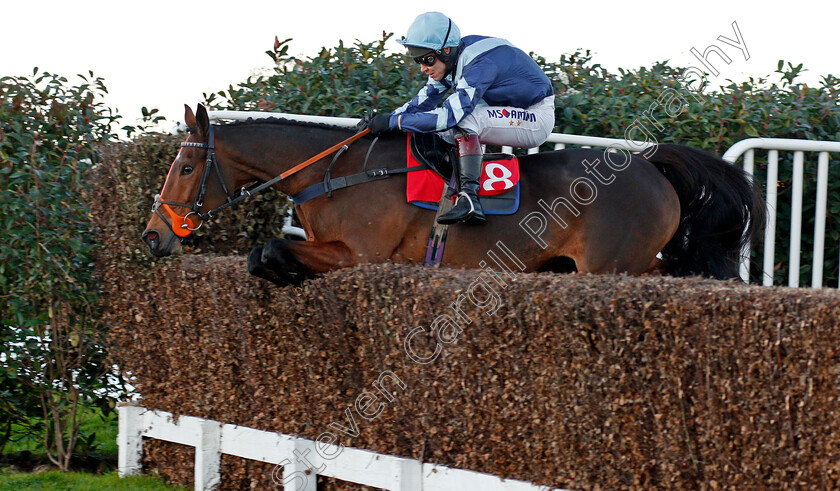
(287, 122)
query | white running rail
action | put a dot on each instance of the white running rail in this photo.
(301, 460)
(746, 149)
(559, 139)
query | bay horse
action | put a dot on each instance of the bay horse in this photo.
(693, 209)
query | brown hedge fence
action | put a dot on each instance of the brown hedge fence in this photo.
(577, 381)
(568, 380)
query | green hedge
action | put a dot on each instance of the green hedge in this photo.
(52, 350)
(347, 80)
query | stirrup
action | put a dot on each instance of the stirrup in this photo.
(450, 218)
(463, 194)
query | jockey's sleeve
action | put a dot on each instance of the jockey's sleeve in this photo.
(426, 99)
(467, 94)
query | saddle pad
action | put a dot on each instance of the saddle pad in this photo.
(499, 186)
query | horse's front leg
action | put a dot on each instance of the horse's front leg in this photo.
(290, 262)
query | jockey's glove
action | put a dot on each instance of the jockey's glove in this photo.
(379, 124)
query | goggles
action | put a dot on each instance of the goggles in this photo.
(426, 60)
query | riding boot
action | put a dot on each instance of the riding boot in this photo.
(467, 207)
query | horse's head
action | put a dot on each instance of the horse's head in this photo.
(192, 188)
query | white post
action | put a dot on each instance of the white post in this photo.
(129, 440)
(208, 456)
(819, 221)
(796, 219)
(410, 474)
(770, 230)
(744, 268)
(297, 470)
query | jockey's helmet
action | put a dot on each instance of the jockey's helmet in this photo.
(431, 31)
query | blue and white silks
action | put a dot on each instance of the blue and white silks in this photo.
(489, 72)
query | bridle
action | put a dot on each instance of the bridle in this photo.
(186, 225)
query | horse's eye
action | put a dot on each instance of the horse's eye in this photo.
(187, 170)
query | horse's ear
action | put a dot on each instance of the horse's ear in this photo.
(202, 121)
(189, 117)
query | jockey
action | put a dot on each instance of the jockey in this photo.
(501, 96)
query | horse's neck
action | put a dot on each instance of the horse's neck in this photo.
(266, 150)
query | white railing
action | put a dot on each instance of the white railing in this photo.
(559, 139)
(303, 118)
(747, 148)
(302, 460)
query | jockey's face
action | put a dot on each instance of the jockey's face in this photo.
(437, 70)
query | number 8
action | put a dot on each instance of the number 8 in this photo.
(492, 178)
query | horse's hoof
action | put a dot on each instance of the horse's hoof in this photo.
(255, 261)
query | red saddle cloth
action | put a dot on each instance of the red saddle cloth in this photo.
(497, 177)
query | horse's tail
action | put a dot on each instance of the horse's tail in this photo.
(721, 210)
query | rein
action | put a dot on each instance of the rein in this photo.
(187, 224)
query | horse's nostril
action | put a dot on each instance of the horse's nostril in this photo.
(151, 238)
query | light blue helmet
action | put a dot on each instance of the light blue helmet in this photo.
(431, 31)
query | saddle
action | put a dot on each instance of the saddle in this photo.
(499, 191)
(428, 168)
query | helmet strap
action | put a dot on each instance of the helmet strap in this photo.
(448, 58)
(439, 52)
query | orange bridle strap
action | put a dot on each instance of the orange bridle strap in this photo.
(323, 154)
